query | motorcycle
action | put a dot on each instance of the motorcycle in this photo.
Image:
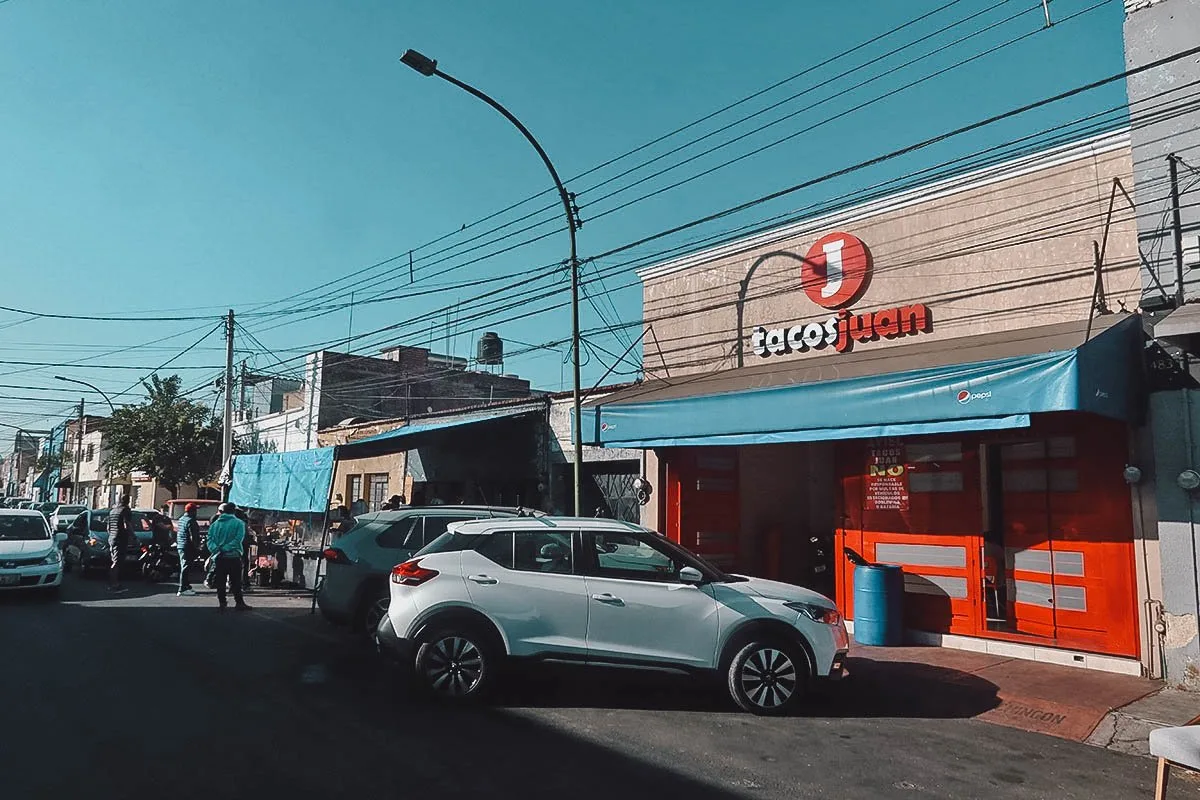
(157, 562)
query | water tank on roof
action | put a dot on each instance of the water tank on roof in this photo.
(491, 349)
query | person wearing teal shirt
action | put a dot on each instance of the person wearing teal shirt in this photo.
(225, 536)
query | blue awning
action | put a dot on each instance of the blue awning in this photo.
(405, 432)
(920, 388)
(43, 481)
(299, 481)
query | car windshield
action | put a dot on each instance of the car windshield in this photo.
(142, 522)
(22, 528)
(70, 511)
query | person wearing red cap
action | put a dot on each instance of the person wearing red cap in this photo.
(187, 540)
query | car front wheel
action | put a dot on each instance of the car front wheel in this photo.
(455, 664)
(769, 677)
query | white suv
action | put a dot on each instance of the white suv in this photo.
(602, 593)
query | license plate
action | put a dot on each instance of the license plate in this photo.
(9, 580)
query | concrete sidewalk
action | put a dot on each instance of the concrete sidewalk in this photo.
(1103, 709)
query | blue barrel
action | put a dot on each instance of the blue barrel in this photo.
(879, 605)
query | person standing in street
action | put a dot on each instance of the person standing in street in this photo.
(187, 541)
(225, 536)
(120, 528)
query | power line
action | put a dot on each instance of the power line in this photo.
(94, 318)
(640, 148)
(659, 191)
(525, 301)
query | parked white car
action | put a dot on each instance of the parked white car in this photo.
(63, 516)
(30, 554)
(602, 593)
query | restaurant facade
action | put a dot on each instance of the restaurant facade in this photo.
(950, 378)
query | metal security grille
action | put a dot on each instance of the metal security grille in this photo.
(613, 492)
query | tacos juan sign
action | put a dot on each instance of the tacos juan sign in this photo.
(835, 273)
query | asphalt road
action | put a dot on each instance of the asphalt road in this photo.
(149, 695)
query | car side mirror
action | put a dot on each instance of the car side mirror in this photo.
(691, 575)
(60, 539)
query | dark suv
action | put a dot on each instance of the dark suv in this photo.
(354, 591)
(87, 538)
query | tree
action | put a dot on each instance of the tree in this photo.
(170, 438)
(49, 460)
(253, 442)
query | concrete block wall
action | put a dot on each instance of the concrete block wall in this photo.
(1175, 417)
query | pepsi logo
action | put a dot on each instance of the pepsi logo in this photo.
(835, 270)
(964, 396)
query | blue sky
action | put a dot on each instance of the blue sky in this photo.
(174, 158)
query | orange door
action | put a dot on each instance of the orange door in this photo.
(933, 532)
(1028, 551)
(1068, 525)
(703, 509)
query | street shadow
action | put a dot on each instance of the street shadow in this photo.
(905, 689)
(211, 705)
(875, 689)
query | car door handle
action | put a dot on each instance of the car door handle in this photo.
(486, 580)
(611, 599)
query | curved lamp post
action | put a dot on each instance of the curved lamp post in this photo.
(428, 67)
(111, 408)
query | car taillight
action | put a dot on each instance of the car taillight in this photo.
(335, 556)
(411, 573)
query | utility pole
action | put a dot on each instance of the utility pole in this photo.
(1176, 228)
(227, 437)
(78, 453)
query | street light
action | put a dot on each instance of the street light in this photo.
(111, 407)
(428, 67)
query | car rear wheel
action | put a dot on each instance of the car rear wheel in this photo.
(374, 613)
(455, 664)
(769, 677)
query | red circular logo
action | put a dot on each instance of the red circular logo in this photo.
(835, 270)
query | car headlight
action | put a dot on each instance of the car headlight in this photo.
(828, 616)
(52, 558)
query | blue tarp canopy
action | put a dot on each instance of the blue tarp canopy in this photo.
(298, 481)
(397, 435)
(992, 381)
